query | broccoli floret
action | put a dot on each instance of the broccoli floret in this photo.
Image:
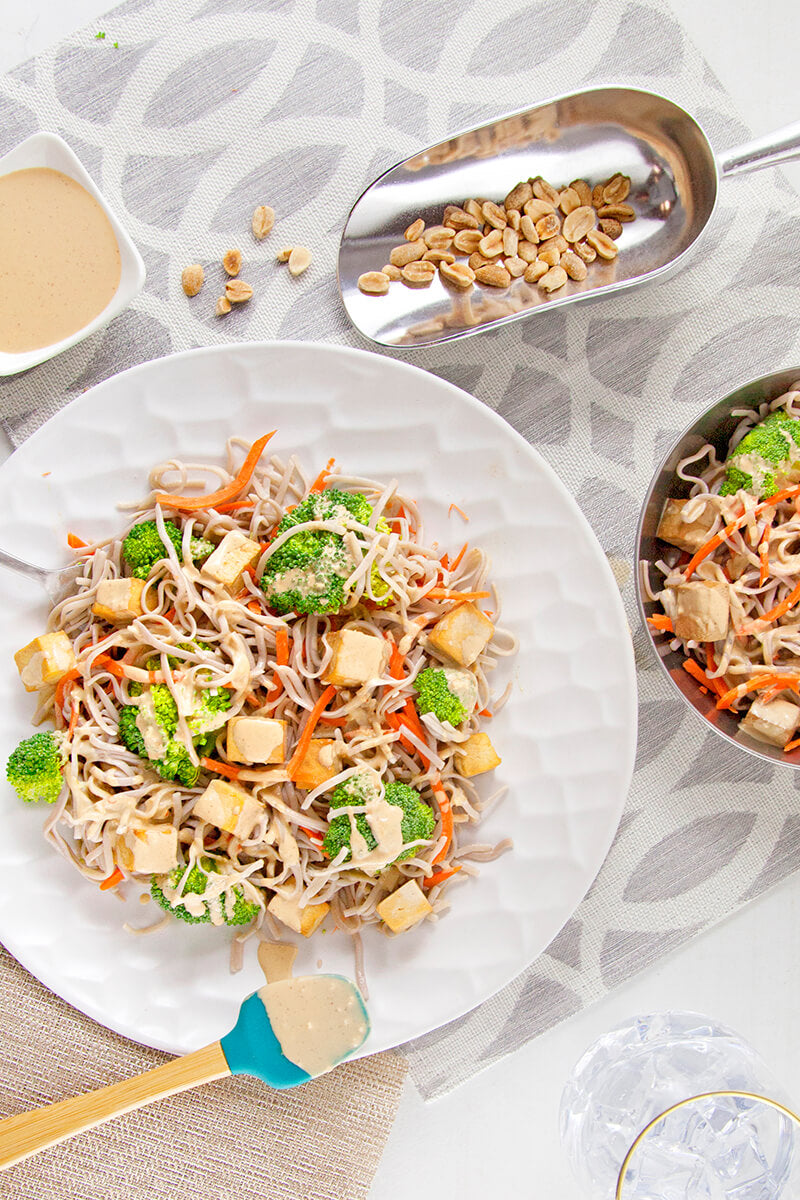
(129, 733)
(211, 702)
(434, 696)
(243, 910)
(308, 572)
(418, 820)
(34, 769)
(143, 547)
(176, 764)
(770, 452)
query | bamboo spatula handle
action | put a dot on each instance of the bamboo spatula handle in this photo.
(28, 1132)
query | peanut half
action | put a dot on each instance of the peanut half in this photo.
(263, 220)
(374, 283)
(237, 291)
(192, 279)
(232, 261)
(299, 260)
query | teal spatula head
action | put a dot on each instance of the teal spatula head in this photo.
(252, 1047)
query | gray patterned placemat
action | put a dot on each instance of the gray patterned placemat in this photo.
(210, 106)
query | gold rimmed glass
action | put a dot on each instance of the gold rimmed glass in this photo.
(675, 1106)
(756, 1161)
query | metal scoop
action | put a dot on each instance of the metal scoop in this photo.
(588, 135)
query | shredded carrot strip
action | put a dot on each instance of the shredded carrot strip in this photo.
(757, 684)
(73, 720)
(446, 814)
(281, 660)
(485, 713)
(715, 684)
(791, 745)
(169, 614)
(440, 876)
(229, 492)
(775, 613)
(254, 606)
(445, 561)
(396, 660)
(76, 543)
(233, 505)
(446, 594)
(711, 545)
(661, 621)
(304, 740)
(112, 880)
(337, 722)
(252, 698)
(312, 833)
(415, 725)
(397, 725)
(119, 670)
(695, 671)
(457, 560)
(63, 684)
(454, 508)
(220, 768)
(263, 546)
(319, 483)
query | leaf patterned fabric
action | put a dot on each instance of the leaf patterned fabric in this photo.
(210, 107)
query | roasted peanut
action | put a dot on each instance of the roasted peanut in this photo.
(374, 283)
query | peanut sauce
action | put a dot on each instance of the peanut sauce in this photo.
(59, 259)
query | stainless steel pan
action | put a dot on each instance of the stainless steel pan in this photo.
(715, 425)
(590, 135)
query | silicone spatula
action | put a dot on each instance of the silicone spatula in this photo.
(251, 1048)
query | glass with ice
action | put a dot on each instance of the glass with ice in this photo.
(717, 1148)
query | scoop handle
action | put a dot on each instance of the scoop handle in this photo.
(28, 1132)
(768, 151)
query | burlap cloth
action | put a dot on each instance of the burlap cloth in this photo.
(234, 1139)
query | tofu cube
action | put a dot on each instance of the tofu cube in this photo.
(319, 764)
(686, 535)
(462, 634)
(45, 660)
(229, 807)
(153, 851)
(404, 907)
(703, 610)
(256, 740)
(358, 658)
(118, 600)
(775, 722)
(476, 755)
(230, 560)
(301, 920)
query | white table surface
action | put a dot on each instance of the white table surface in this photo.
(498, 1134)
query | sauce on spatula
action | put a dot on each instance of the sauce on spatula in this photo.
(317, 1019)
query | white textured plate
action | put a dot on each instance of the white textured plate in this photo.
(567, 736)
